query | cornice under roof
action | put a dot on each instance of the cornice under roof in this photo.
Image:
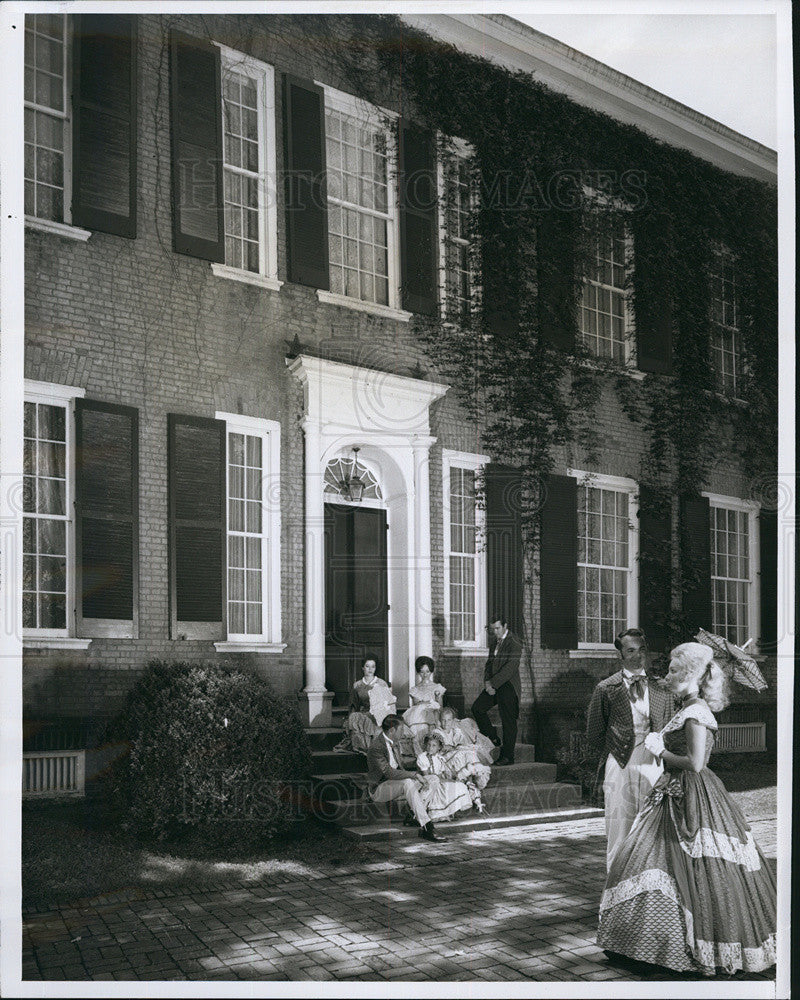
(516, 46)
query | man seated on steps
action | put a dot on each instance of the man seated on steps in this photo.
(388, 781)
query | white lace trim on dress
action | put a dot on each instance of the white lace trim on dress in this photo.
(708, 843)
(727, 955)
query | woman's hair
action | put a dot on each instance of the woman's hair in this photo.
(370, 659)
(424, 661)
(695, 660)
(433, 738)
(447, 711)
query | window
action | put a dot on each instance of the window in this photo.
(604, 301)
(458, 195)
(47, 152)
(734, 547)
(253, 530)
(726, 360)
(464, 554)
(607, 552)
(47, 526)
(248, 89)
(362, 221)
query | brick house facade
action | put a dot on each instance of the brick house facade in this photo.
(189, 386)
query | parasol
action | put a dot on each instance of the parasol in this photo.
(738, 664)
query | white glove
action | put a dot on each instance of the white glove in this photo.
(654, 742)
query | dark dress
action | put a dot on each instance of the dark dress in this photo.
(689, 889)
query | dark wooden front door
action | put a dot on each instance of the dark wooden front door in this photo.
(356, 609)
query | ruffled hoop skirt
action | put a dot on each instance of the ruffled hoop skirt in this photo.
(689, 889)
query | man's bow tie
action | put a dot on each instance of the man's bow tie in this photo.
(637, 687)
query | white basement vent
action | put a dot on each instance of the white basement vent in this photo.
(53, 772)
(741, 737)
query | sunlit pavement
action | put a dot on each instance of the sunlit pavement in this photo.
(504, 905)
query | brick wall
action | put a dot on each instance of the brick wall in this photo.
(131, 322)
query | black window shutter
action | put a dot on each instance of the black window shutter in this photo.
(197, 523)
(696, 560)
(198, 223)
(653, 311)
(655, 565)
(418, 219)
(555, 250)
(504, 552)
(305, 189)
(104, 123)
(768, 575)
(107, 517)
(558, 556)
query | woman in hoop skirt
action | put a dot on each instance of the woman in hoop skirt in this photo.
(689, 888)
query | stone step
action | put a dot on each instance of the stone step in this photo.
(323, 737)
(337, 762)
(471, 823)
(506, 801)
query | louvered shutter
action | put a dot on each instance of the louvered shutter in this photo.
(504, 552)
(107, 518)
(559, 564)
(768, 577)
(655, 565)
(197, 526)
(305, 190)
(198, 220)
(418, 219)
(696, 560)
(653, 308)
(555, 250)
(104, 123)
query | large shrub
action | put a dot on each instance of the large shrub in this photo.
(211, 748)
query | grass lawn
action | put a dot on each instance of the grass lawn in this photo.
(69, 853)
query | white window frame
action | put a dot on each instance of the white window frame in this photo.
(269, 641)
(348, 104)
(53, 394)
(600, 200)
(473, 463)
(264, 75)
(65, 227)
(459, 150)
(620, 484)
(722, 253)
(752, 509)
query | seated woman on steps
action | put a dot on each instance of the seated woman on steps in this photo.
(463, 756)
(448, 794)
(371, 700)
(426, 701)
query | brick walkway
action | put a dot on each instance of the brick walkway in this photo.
(503, 905)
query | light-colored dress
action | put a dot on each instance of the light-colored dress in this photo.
(361, 725)
(446, 795)
(426, 703)
(689, 888)
(483, 745)
(461, 756)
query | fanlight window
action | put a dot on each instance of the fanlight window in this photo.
(340, 471)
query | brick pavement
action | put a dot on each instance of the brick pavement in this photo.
(502, 905)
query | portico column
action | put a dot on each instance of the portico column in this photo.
(423, 597)
(315, 701)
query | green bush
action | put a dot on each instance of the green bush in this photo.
(212, 749)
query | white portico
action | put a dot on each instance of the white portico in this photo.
(387, 418)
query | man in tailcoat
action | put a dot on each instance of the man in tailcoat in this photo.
(624, 708)
(501, 687)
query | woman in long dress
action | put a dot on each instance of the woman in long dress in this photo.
(689, 888)
(371, 700)
(460, 752)
(446, 795)
(426, 699)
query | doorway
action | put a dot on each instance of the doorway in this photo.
(356, 605)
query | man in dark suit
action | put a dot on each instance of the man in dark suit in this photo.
(388, 780)
(625, 707)
(501, 687)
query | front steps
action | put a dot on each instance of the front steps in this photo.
(521, 793)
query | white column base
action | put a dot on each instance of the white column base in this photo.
(315, 708)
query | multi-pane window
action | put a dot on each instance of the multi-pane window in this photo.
(459, 200)
(46, 114)
(359, 207)
(245, 534)
(725, 334)
(731, 577)
(604, 297)
(603, 563)
(45, 517)
(462, 555)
